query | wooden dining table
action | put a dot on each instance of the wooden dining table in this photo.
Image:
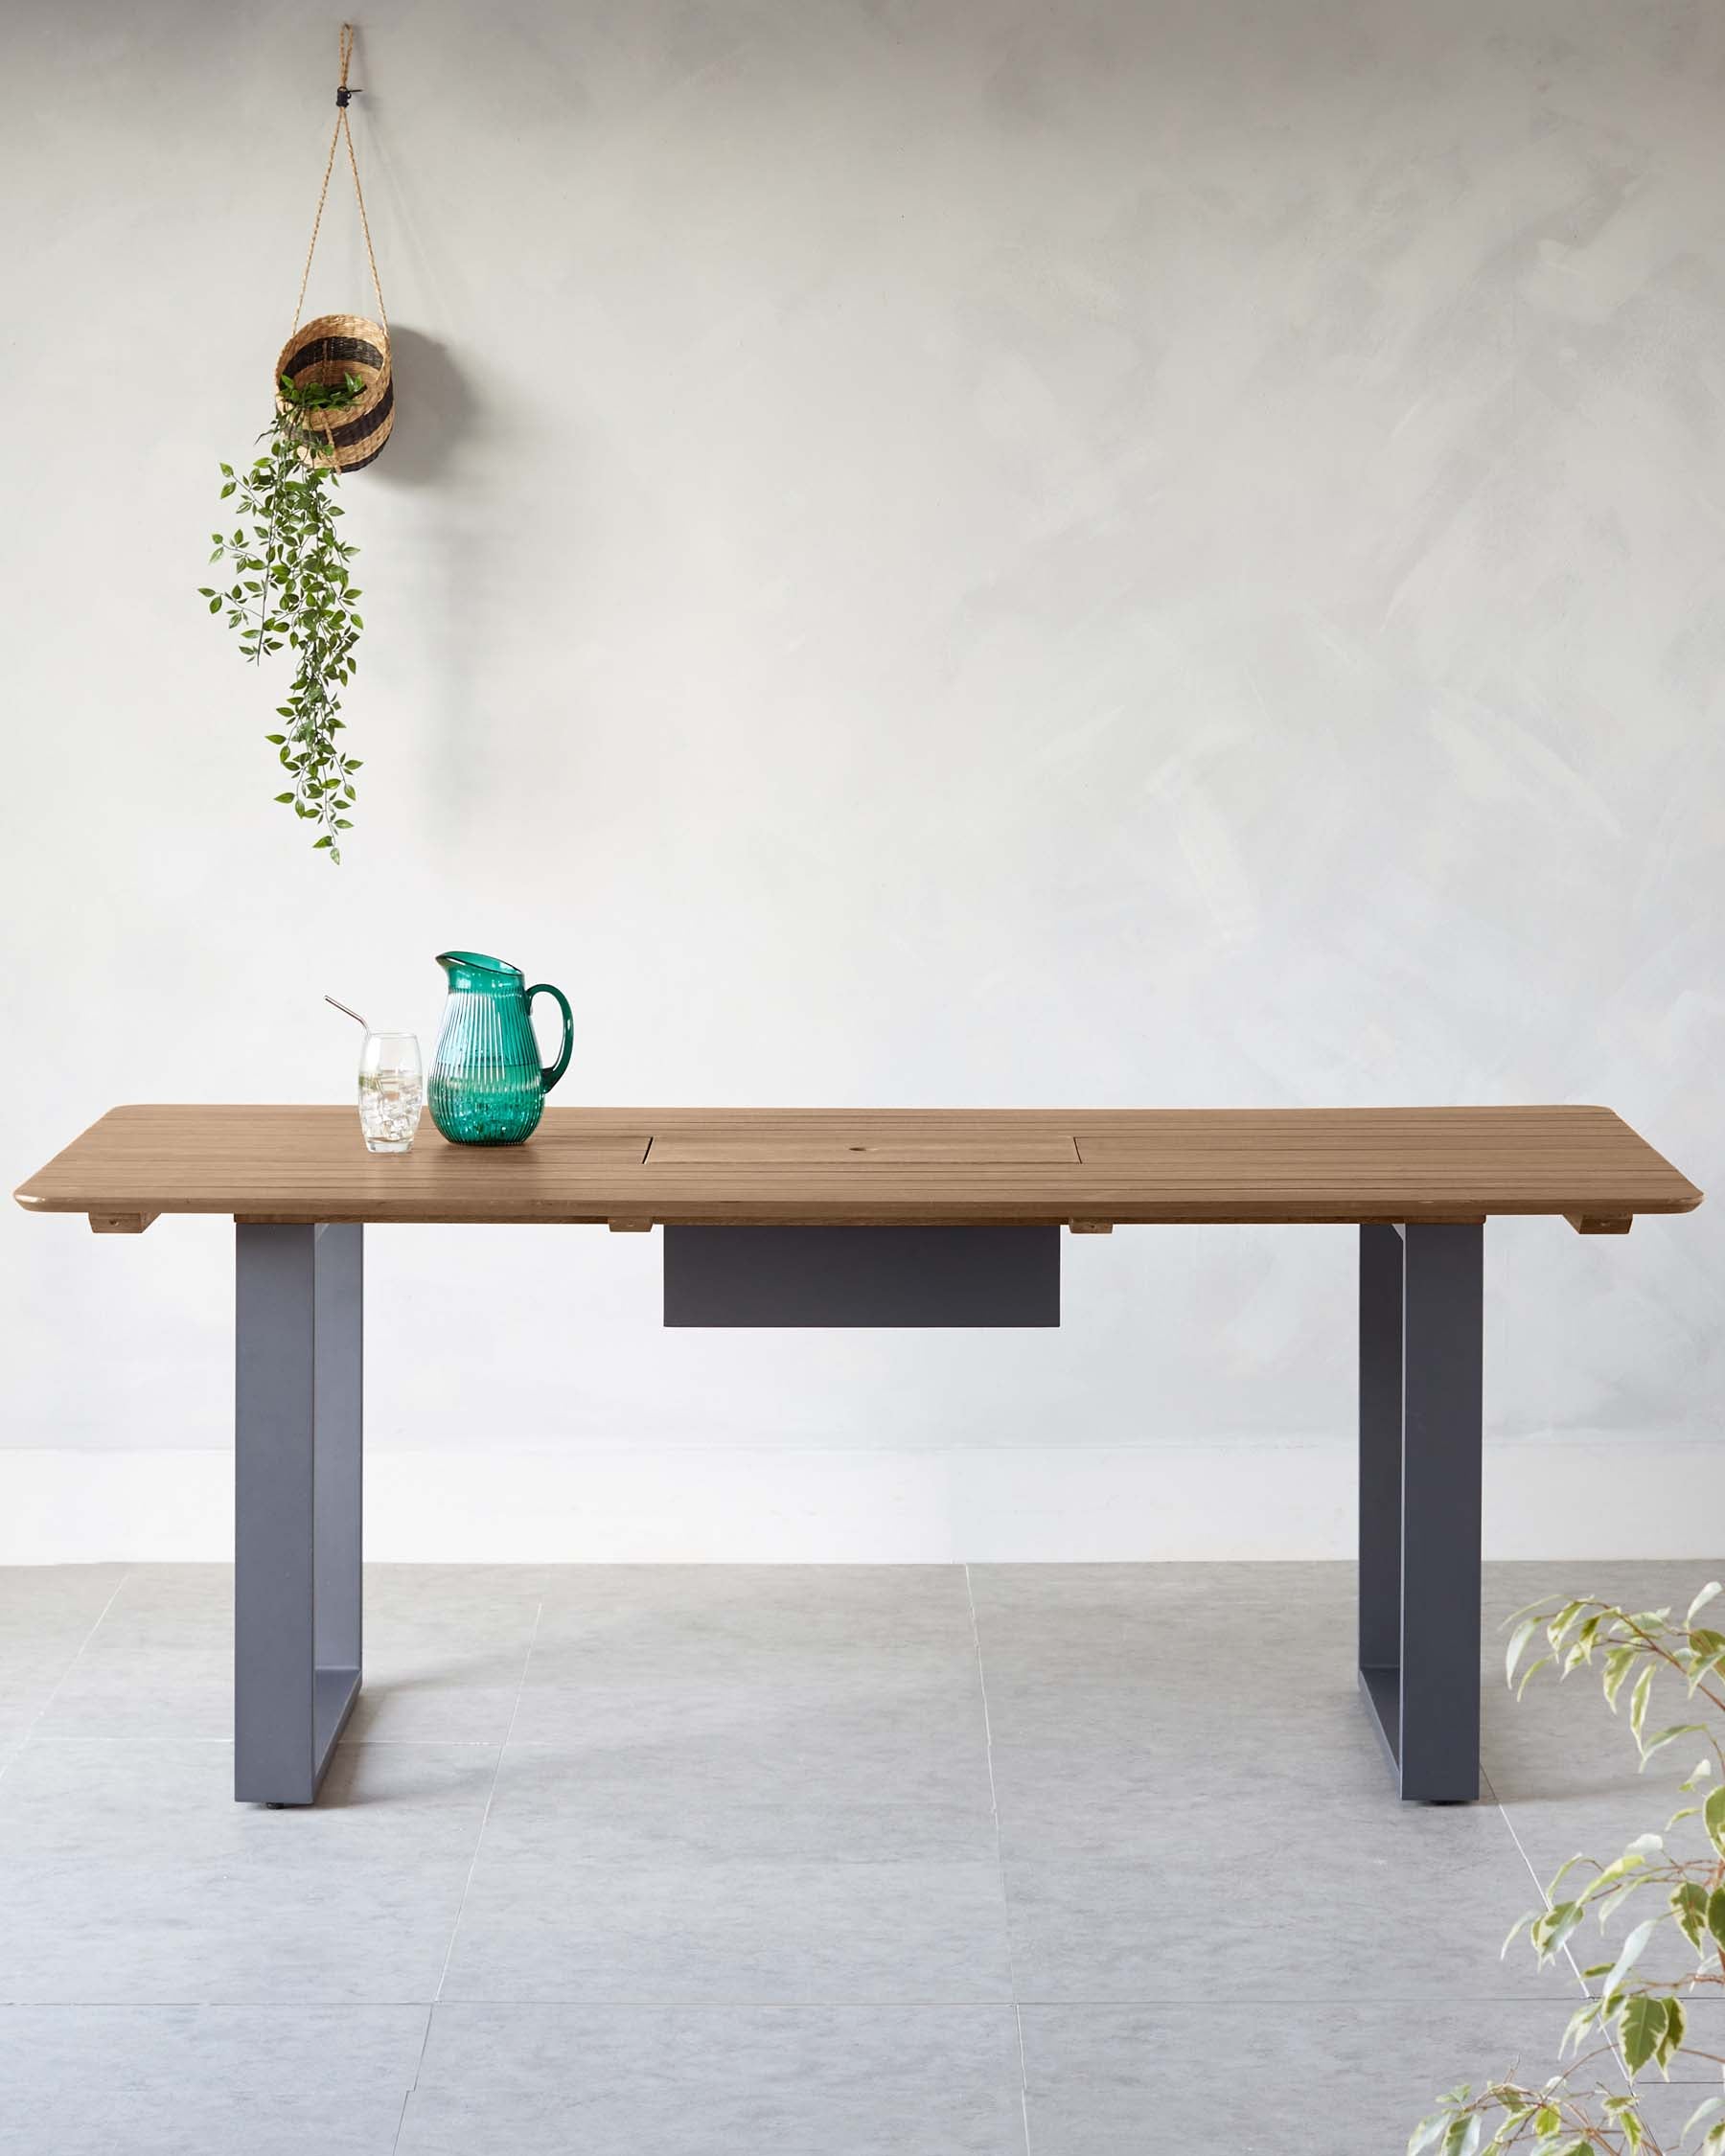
(887, 1217)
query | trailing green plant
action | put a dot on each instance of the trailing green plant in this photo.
(292, 587)
(1634, 2021)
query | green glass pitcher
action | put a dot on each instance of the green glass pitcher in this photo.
(486, 1087)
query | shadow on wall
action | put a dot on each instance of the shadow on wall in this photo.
(435, 410)
(430, 453)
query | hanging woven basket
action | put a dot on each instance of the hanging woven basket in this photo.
(325, 351)
(323, 354)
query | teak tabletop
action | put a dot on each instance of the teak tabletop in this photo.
(1090, 1168)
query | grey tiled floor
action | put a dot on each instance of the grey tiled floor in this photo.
(1070, 1860)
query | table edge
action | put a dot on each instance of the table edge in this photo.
(791, 1212)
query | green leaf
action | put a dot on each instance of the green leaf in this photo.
(1701, 1667)
(1710, 2109)
(1579, 2023)
(1633, 1948)
(1620, 1868)
(1641, 2024)
(1559, 1625)
(1712, 1816)
(1675, 2023)
(1637, 1700)
(318, 845)
(1690, 1907)
(1607, 1909)
(1700, 1602)
(1464, 2134)
(1658, 1742)
(1550, 1930)
(1588, 1632)
(1617, 1664)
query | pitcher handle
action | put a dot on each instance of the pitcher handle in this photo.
(552, 1073)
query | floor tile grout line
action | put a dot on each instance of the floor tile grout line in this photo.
(993, 1807)
(467, 1884)
(41, 1739)
(424, 2035)
(748, 2003)
(1569, 1952)
(36, 1717)
(1503, 1813)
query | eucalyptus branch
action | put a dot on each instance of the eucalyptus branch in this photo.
(292, 587)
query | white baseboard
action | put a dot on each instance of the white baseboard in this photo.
(1544, 1498)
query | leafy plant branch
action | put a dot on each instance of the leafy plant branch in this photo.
(292, 587)
(1643, 2020)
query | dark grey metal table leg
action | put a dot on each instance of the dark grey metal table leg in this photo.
(1442, 1284)
(1421, 1428)
(297, 1466)
(1380, 1456)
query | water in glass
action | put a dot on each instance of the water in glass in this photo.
(392, 1091)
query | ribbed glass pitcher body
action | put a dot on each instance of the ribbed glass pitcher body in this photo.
(486, 1086)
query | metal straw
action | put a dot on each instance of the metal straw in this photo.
(354, 1015)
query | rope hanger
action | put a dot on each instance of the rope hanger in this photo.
(342, 133)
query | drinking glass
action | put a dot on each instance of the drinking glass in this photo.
(392, 1091)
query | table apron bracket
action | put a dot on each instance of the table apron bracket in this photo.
(861, 1276)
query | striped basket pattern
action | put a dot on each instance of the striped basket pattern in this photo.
(328, 349)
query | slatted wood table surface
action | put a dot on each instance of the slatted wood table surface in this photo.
(863, 1217)
(885, 1167)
